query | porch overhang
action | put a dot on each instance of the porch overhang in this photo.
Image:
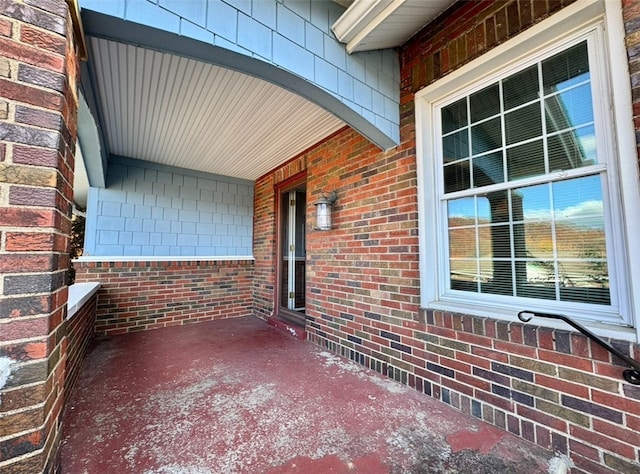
(378, 24)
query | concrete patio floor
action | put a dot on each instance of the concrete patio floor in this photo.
(239, 396)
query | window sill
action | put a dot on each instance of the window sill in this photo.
(511, 315)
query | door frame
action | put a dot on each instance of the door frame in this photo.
(290, 184)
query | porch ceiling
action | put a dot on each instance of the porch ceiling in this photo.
(177, 111)
(376, 24)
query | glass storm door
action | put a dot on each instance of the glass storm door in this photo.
(293, 205)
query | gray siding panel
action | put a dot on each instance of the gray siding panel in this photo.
(157, 211)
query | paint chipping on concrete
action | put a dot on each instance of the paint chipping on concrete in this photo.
(5, 372)
(347, 366)
(560, 464)
(483, 440)
(194, 400)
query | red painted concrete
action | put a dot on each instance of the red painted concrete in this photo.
(237, 395)
(482, 440)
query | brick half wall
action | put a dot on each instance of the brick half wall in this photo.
(140, 295)
(552, 387)
(79, 328)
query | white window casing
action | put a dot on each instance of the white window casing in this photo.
(600, 23)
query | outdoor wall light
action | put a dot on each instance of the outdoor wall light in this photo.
(323, 210)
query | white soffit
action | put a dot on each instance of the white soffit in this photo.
(181, 112)
(379, 24)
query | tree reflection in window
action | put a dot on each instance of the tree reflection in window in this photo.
(545, 239)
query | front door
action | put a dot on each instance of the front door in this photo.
(293, 205)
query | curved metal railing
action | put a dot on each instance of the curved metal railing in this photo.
(630, 375)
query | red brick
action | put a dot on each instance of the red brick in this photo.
(598, 439)
(562, 386)
(489, 354)
(6, 28)
(633, 423)
(24, 329)
(3, 149)
(580, 346)
(27, 217)
(589, 466)
(496, 401)
(30, 95)
(129, 307)
(517, 349)
(574, 362)
(474, 360)
(584, 450)
(26, 263)
(32, 196)
(38, 118)
(539, 417)
(42, 39)
(626, 405)
(36, 156)
(474, 382)
(615, 431)
(31, 55)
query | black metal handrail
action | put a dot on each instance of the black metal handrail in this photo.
(630, 375)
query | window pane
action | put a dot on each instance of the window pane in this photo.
(526, 160)
(486, 136)
(485, 103)
(566, 68)
(455, 146)
(454, 116)
(485, 245)
(457, 177)
(488, 169)
(580, 237)
(486, 271)
(540, 280)
(572, 149)
(578, 197)
(569, 109)
(533, 206)
(501, 282)
(484, 210)
(464, 275)
(499, 204)
(501, 241)
(462, 243)
(523, 124)
(586, 282)
(461, 212)
(521, 88)
(545, 241)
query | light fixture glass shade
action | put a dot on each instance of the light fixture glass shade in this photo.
(323, 215)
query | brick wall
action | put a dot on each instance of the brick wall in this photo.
(264, 247)
(135, 296)
(80, 329)
(631, 16)
(38, 104)
(264, 231)
(552, 387)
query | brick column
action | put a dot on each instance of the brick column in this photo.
(38, 106)
(631, 15)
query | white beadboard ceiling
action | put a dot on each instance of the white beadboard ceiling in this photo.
(376, 24)
(181, 112)
(177, 111)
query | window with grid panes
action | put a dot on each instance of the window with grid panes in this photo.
(544, 238)
(521, 184)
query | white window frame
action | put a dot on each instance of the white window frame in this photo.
(622, 169)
